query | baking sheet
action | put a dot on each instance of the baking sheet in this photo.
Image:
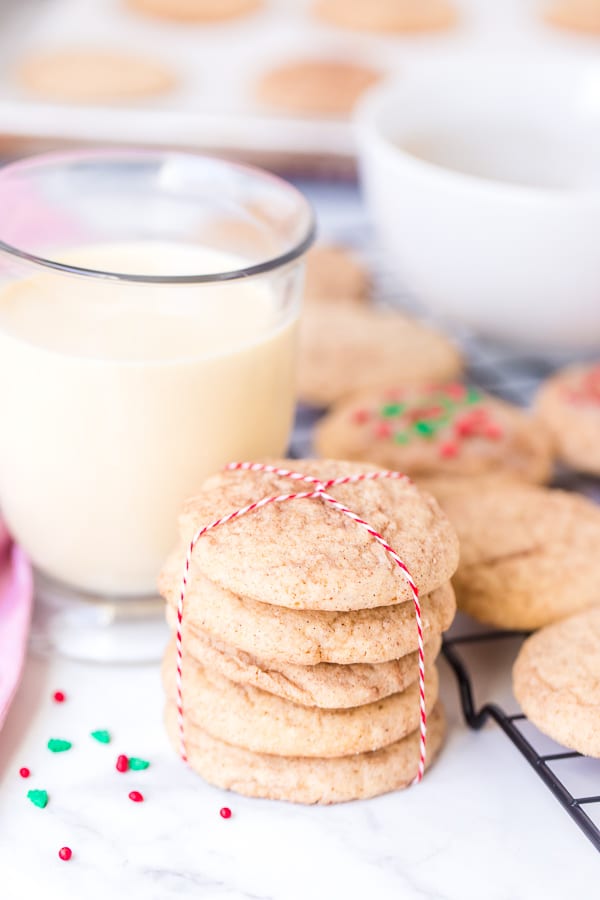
(214, 107)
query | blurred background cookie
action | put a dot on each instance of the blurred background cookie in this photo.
(92, 76)
(528, 555)
(556, 679)
(334, 274)
(578, 15)
(387, 15)
(195, 10)
(450, 430)
(568, 404)
(345, 349)
(315, 86)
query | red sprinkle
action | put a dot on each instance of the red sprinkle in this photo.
(24, 772)
(59, 697)
(360, 416)
(493, 431)
(455, 390)
(448, 450)
(383, 430)
(136, 796)
(65, 853)
(225, 812)
(122, 764)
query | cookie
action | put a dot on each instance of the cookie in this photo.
(315, 87)
(387, 15)
(304, 554)
(195, 10)
(528, 555)
(334, 275)
(301, 637)
(324, 685)
(449, 430)
(344, 350)
(92, 76)
(568, 404)
(249, 717)
(576, 15)
(302, 779)
(556, 679)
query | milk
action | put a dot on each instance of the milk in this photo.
(117, 400)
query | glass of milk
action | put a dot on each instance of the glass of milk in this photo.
(148, 312)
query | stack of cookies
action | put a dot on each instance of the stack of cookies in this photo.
(300, 666)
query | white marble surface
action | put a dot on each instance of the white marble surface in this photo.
(480, 827)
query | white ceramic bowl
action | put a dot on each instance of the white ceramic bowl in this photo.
(483, 180)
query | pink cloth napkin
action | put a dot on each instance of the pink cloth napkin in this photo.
(16, 600)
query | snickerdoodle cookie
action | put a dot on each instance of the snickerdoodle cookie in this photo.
(556, 680)
(449, 430)
(387, 15)
(303, 779)
(256, 720)
(305, 554)
(195, 10)
(333, 274)
(92, 76)
(568, 404)
(576, 15)
(345, 349)
(325, 685)
(319, 87)
(528, 555)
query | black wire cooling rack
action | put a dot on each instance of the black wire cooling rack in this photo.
(541, 763)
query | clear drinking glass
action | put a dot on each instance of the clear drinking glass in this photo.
(148, 310)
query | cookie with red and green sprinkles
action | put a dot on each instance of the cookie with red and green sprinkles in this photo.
(568, 405)
(451, 429)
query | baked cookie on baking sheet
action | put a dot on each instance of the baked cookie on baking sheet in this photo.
(334, 275)
(568, 404)
(448, 430)
(528, 555)
(303, 637)
(195, 10)
(324, 685)
(306, 555)
(387, 15)
(256, 720)
(305, 779)
(576, 15)
(92, 76)
(315, 87)
(345, 349)
(556, 679)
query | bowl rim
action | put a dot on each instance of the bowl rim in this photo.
(373, 105)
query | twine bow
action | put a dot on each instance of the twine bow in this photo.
(319, 491)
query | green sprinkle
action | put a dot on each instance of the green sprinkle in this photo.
(38, 798)
(401, 437)
(473, 395)
(138, 764)
(390, 410)
(57, 745)
(102, 736)
(424, 428)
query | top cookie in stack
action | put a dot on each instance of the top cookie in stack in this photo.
(305, 624)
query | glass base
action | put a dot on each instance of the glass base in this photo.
(100, 629)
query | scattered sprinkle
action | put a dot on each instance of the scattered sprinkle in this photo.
(424, 428)
(393, 409)
(38, 798)
(65, 853)
(383, 430)
(24, 772)
(59, 696)
(136, 796)
(138, 764)
(401, 437)
(58, 745)
(122, 763)
(102, 736)
(225, 812)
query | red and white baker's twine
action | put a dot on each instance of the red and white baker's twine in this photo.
(320, 492)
